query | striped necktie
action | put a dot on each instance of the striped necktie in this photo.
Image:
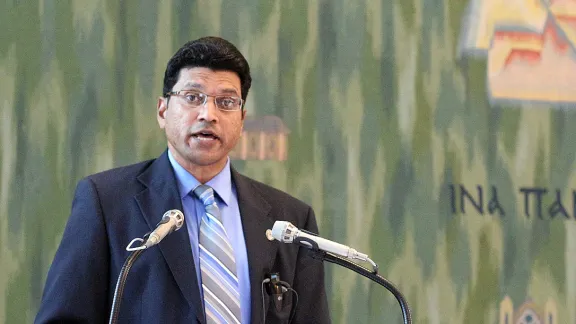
(217, 264)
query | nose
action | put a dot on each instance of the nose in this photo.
(208, 111)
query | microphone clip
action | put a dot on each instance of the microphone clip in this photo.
(131, 248)
(308, 243)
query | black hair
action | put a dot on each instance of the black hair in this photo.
(214, 53)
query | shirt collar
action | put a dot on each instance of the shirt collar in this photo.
(221, 183)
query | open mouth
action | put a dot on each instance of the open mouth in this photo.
(205, 135)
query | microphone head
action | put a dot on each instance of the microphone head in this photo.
(176, 216)
(284, 231)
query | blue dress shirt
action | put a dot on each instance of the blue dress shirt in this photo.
(227, 201)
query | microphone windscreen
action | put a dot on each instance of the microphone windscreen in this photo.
(278, 229)
(284, 231)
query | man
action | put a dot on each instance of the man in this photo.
(214, 269)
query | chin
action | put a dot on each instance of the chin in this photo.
(207, 161)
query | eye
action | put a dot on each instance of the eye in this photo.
(228, 103)
(194, 98)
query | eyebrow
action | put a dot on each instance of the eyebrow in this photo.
(229, 91)
(198, 86)
(191, 85)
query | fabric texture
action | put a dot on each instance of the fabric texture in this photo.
(217, 264)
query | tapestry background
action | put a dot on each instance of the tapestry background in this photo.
(434, 135)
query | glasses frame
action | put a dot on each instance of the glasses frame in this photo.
(179, 94)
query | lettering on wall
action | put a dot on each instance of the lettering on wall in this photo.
(536, 202)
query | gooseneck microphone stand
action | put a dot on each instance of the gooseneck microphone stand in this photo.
(172, 220)
(121, 282)
(373, 275)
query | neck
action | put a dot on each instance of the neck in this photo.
(202, 173)
(205, 173)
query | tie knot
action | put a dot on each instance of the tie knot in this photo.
(205, 194)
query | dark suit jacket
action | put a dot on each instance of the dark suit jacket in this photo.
(113, 207)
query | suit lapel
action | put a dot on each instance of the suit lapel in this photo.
(254, 212)
(161, 194)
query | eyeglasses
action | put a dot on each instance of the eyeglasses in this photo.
(193, 99)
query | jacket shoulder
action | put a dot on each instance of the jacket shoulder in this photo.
(119, 176)
(273, 195)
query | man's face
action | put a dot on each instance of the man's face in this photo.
(201, 137)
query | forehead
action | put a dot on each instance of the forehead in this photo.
(208, 80)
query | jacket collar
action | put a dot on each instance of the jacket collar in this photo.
(255, 212)
(161, 194)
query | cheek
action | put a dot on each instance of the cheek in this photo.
(236, 128)
(178, 123)
(175, 131)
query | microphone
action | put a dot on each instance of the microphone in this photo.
(172, 220)
(285, 232)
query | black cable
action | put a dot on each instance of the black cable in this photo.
(295, 305)
(330, 257)
(288, 288)
(263, 302)
(115, 311)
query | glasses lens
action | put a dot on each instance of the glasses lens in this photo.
(228, 103)
(194, 98)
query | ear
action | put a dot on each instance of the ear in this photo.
(243, 116)
(161, 111)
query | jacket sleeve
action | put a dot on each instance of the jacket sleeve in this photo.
(77, 284)
(309, 283)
